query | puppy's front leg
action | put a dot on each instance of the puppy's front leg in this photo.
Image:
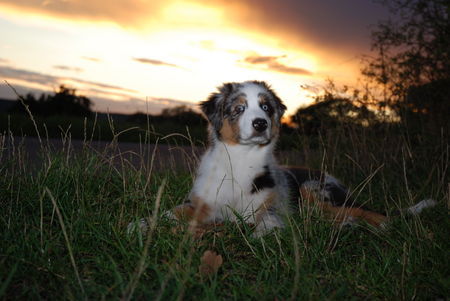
(196, 213)
(266, 222)
(192, 211)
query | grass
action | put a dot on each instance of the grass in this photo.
(63, 229)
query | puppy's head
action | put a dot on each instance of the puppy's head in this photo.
(244, 113)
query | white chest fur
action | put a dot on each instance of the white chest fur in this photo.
(225, 180)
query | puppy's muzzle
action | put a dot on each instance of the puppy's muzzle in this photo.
(260, 125)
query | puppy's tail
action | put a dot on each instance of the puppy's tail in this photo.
(414, 210)
(417, 208)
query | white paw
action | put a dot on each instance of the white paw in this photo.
(169, 215)
(139, 225)
(268, 223)
(417, 208)
(349, 221)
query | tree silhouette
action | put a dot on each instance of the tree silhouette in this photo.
(329, 112)
(429, 104)
(65, 102)
(412, 57)
(179, 114)
(30, 101)
(182, 114)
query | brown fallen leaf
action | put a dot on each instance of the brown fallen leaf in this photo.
(210, 263)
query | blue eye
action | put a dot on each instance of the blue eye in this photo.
(239, 109)
(265, 107)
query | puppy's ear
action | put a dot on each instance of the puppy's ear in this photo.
(214, 106)
(209, 107)
(280, 105)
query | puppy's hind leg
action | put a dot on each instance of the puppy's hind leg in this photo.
(342, 214)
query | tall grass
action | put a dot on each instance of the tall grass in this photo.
(64, 220)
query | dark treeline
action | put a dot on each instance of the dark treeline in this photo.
(179, 115)
(65, 102)
(67, 113)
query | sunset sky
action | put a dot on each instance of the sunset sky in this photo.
(139, 55)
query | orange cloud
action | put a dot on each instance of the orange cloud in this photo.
(92, 59)
(307, 24)
(130, 13)
(272, 63)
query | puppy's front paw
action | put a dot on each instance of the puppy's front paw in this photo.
(138, 225)
(169, 215)
(268, 224)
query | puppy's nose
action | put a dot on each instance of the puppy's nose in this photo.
(260, 124)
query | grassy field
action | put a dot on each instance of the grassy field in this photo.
(63, 229)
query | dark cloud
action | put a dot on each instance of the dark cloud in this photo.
(328, 24)
(260, 59)
(334, 25)
(272, 63)
(52, 81)
(154, 62)
(27, 76)
(68, 68)
(104, 103)
(102, 85)
(7, 93)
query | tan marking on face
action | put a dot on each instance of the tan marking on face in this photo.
(340, 214)
(229, 132)
(241, 100)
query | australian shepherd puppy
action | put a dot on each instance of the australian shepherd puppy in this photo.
(238, 177)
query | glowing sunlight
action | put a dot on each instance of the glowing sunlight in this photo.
(176, 50)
